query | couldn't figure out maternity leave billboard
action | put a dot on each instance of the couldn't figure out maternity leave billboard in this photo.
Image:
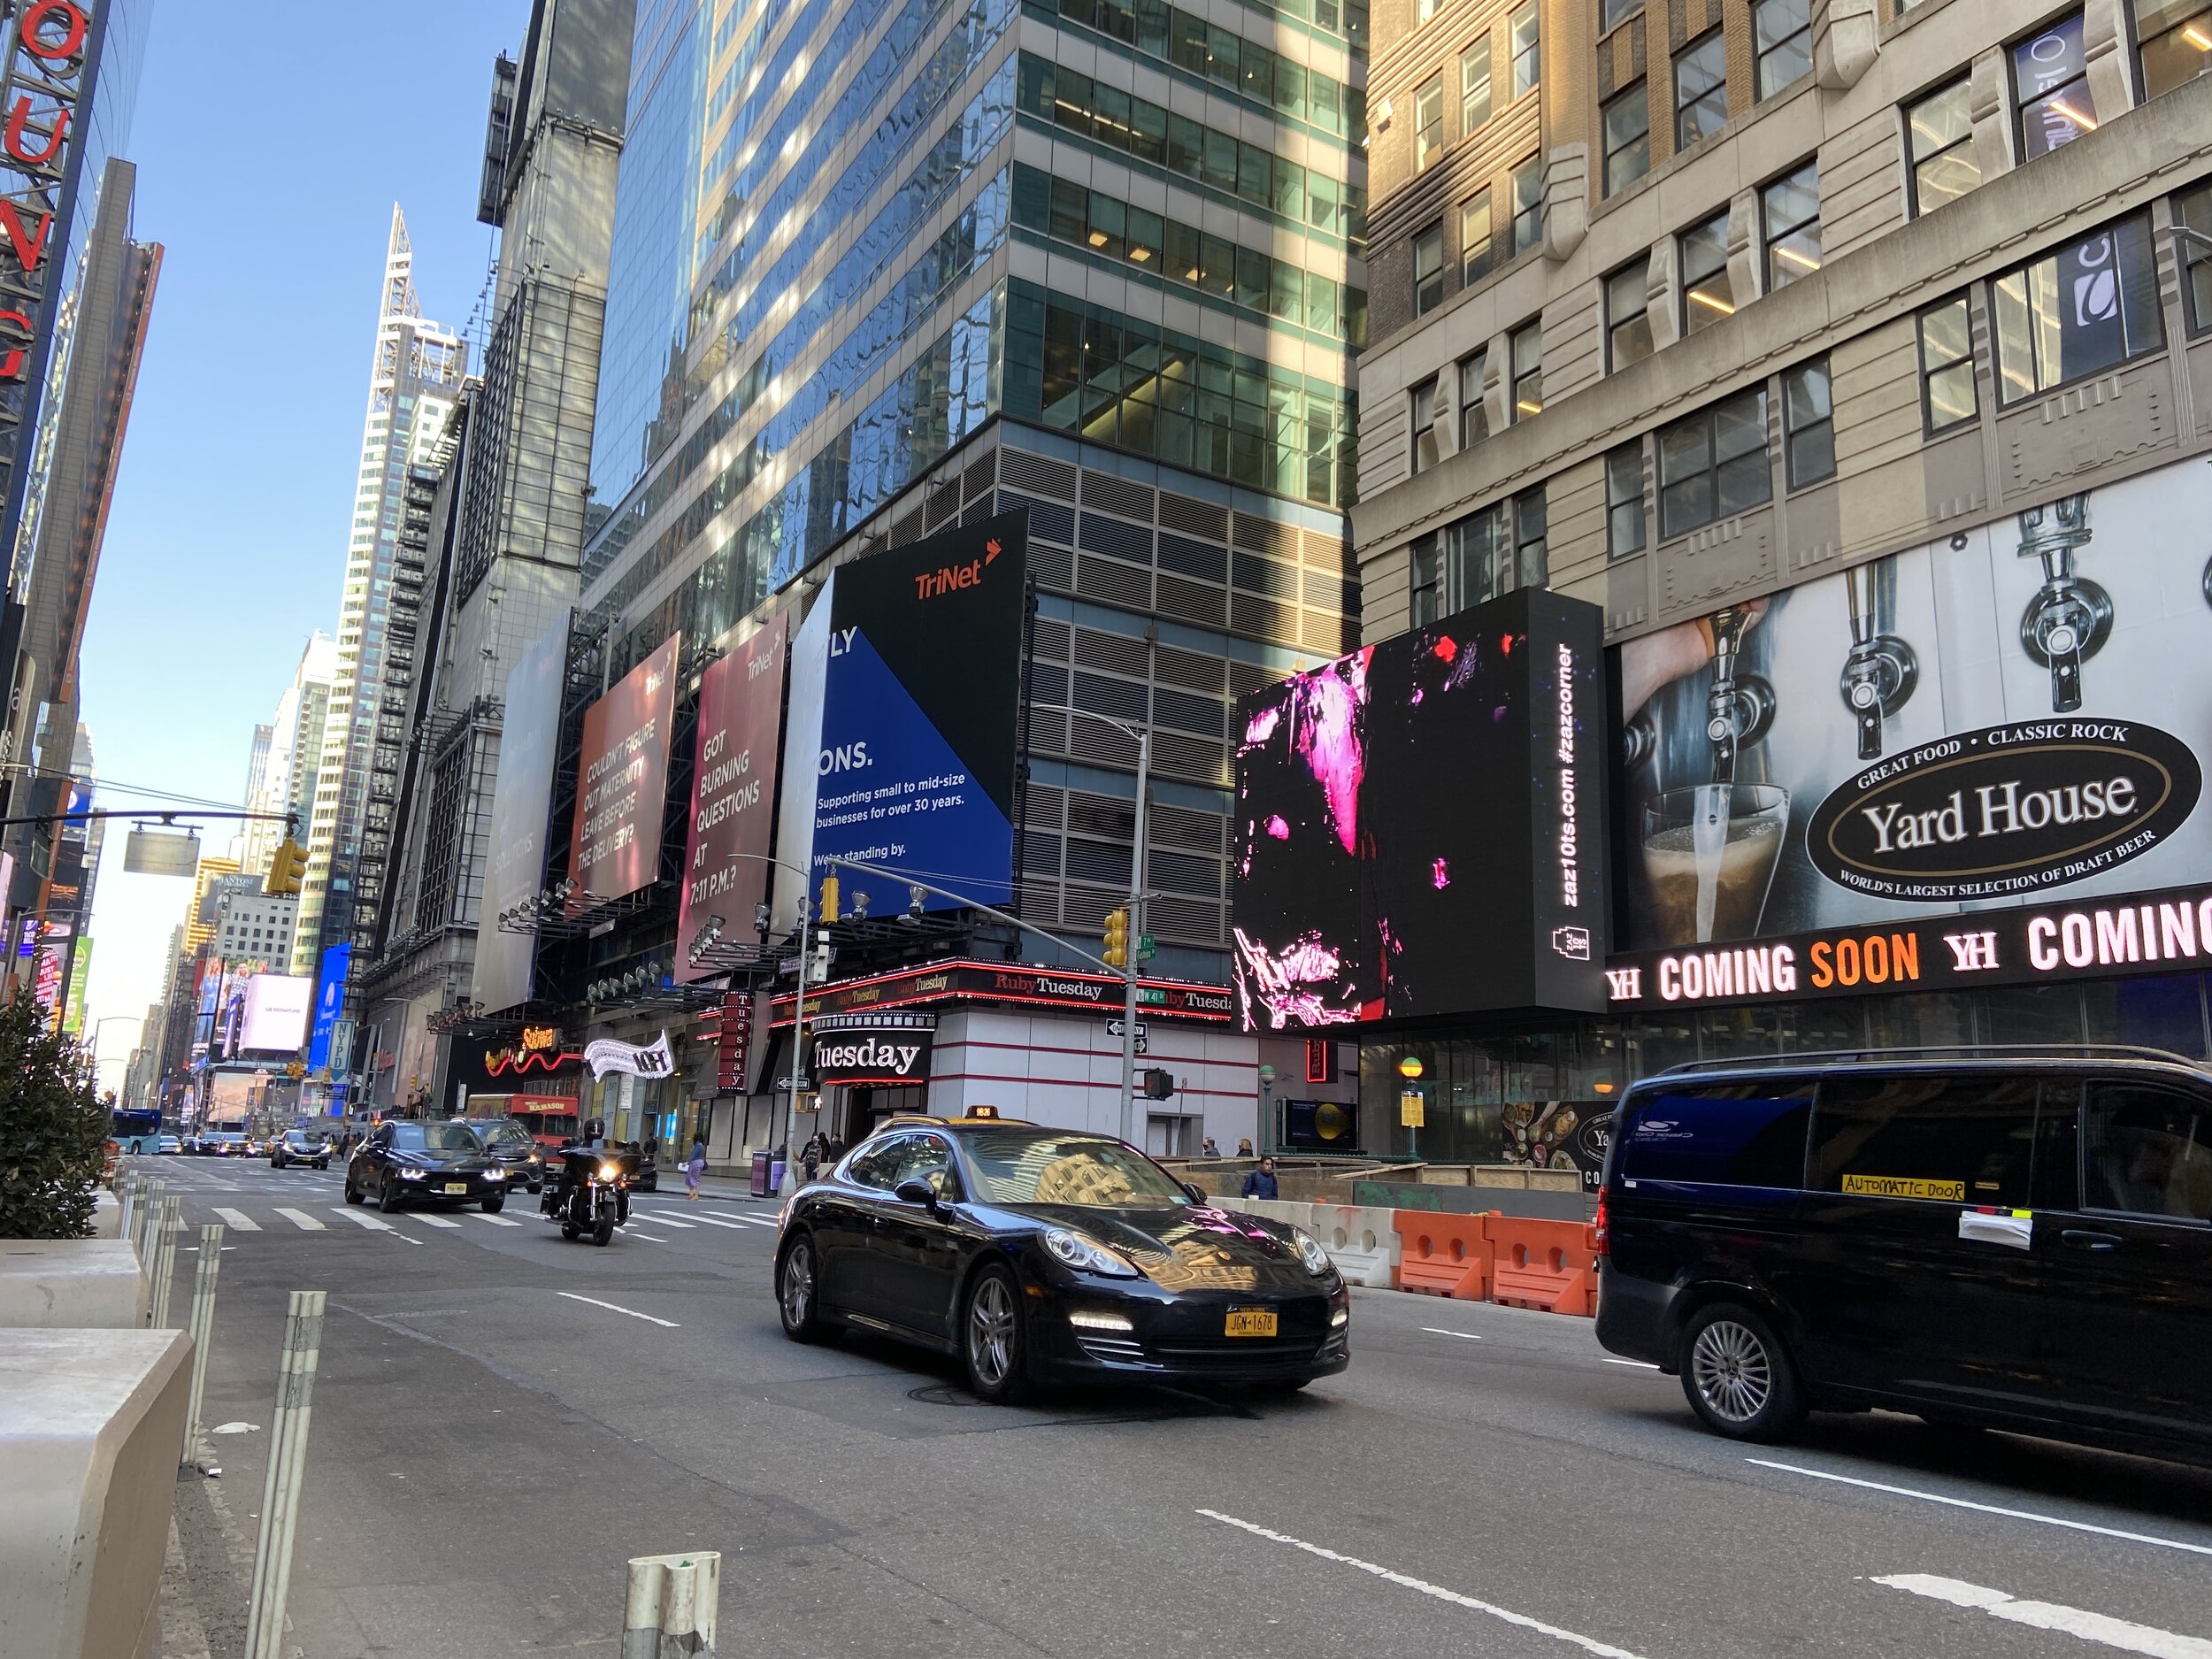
(622, 779)
(2012, 716)
(920, 704)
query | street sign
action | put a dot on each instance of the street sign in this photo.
(1113, 1029)
(784, 1085)
(1151, 996)
(1146, 947)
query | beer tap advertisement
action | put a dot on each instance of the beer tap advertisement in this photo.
(2006, 719)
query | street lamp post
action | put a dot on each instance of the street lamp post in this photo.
(1136, 919)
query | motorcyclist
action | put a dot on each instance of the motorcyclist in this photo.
(578, 1158)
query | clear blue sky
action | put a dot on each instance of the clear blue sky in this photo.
(268, 162)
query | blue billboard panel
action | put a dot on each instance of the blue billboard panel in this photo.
(330, 999)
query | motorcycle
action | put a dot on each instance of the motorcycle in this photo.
(593, 1196)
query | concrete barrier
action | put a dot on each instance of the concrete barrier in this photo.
(1363, 1242)
(1274, 1209)
(89, 1423)
(107, 1216)
(58, 1283)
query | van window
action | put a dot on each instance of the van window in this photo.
(1966, 1139)
(1731, 1134)
(2149, 1152)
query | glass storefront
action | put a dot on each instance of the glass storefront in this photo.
(1469, 1081)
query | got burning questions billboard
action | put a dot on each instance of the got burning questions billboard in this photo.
(1421, 824)
(733, 790)
(921, 695)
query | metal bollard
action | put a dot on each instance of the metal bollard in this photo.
(202, 1328)
(167, 1226)
(125, 1193)
(672, 1605)
(280, 1493)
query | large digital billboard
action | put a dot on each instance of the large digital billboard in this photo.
(921, 701)
(276, 1009)
(522, 805)
(2000, 722)
(1420, 825)
(733, 790)
(330, 1002)
(622, 780)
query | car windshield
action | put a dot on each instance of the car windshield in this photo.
(501, 1134)
(435, 1138)
(1015, 1167)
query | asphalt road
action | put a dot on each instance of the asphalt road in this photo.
(501, 1418)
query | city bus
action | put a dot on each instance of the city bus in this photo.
(135, 1130)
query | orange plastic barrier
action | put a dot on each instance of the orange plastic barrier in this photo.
(1547, 1265)
(1443, 1255)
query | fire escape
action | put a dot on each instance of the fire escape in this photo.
(388, 755)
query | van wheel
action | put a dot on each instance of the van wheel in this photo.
(1736, 1377)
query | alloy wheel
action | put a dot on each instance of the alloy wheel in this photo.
(991, 1331)
(798, 1286)
(1733, 1370)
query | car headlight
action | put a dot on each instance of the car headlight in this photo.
(1310, 1253)
(534, 1158)
(411, 1175)
(1086, 1254)
(495, 1175)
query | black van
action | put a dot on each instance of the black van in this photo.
(2019, 1239)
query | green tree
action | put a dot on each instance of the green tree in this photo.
(53, 1133)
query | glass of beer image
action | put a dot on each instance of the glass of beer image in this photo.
(1710, 853)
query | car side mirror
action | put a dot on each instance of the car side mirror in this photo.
(916, 1191)
(1198, 1194)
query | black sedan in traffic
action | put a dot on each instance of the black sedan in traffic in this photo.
(1043, 1255)
(418, 1163)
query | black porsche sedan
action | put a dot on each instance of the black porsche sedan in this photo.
(418, 1163)
(1044, 1255)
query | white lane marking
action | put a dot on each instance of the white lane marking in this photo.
(1588, 1644)
(301, 1219)
(2072, 1621)
(1438, 1330)
(238, 1219)
(497, 1221)
(437, 1221)
(611, 1308)
(360, 1220)
(1640, 1364)
(710, 1221)
(1988, 1508)
(760, 1221)
(664, 1221)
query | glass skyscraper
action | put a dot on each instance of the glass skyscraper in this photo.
(878, 266)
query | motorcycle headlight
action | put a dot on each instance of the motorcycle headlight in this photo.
(411, 1175)
(609, 1171)
(1086, 1256)
(1310, 1253)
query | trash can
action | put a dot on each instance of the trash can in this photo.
(760, 1188)
(775, 1178)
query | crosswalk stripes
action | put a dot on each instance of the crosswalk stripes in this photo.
(237, 1220)
(364, 1219)
(716, 1221)
(670, 1221)
(496, 1221)
(437, 1221)
(301, 1219)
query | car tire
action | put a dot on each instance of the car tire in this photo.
(493, 1206)
(387, 1197)
(1737, 1377)
(602, 1231)
(799, 1292)
(353, 1193)
(992, 1341)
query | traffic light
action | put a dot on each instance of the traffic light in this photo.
(829, 900)
(288, 869)
(1117, 952)
(1158, 1084)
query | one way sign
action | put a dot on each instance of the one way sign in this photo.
(1113, 1030)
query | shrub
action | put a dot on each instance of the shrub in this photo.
(53, 1132)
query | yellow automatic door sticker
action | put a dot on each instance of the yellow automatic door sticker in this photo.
(1903, 1186)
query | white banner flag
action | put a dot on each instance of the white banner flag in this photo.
(606, 1055)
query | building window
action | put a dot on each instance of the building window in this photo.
(1708, 296)
(1424, 9)
(2089, 306)
(1627, 138)
(1939, 135)
(2050, 83)
(1613, 13)
(2173, 52)
(1947, 366)
(1480, 565)
(1701, 90)
(1426, 581)
(1713, 464)
(1526, 65)
(1428, 121)
(1809, 424)
(1424, 450)
(2193, 210)
(1528, 203)
(1782, 33)
(1790, 209)
(1528, 372)
(1474, 239)
(1628, 315)
(1528, 538)
(1474, 86)
(1474, 414)
(1428, 270)
(1624, 501)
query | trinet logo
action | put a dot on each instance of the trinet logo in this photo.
(946, 578)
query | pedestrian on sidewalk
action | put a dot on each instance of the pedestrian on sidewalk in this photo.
(810, 1153)
(1261, 1182)
(1207, 1150)
(833, 1150)
(1244, 1147)
(694, 1167)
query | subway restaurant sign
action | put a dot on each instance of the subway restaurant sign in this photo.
(2144, 932)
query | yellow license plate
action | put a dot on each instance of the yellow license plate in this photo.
(457, 1187)
(1251, 1322)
